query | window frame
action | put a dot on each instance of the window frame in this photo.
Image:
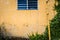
(28, 6)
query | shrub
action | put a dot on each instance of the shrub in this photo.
(39, 36)
(54, 27)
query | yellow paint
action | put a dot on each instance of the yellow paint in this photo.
(23, 22)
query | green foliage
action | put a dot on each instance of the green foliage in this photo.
(39, 37)
(55, 24)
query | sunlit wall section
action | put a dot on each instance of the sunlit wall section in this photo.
(24, 22)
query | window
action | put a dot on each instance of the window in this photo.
(27, 4)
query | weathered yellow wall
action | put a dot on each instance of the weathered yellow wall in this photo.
(23, 22)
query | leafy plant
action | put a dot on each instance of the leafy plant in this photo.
(55, 23)
(54, 27)
(39, 36)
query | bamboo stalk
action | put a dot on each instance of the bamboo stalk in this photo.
(49, 34)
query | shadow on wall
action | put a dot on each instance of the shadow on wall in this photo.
(4, 35)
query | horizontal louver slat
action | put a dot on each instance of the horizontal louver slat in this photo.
(22, 4)
(32, 4)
